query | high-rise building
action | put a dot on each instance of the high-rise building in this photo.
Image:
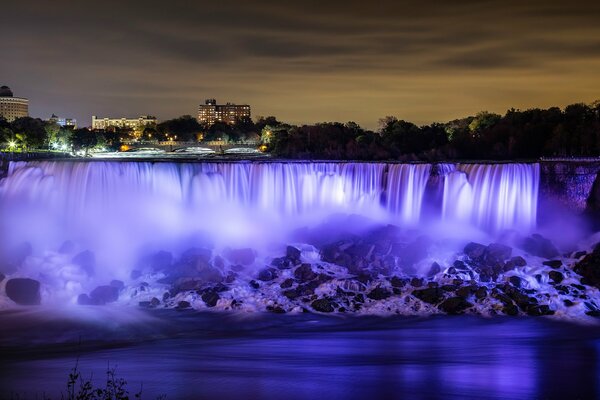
(64, 122)
(211, 112)
(12, 107)
(132, 123)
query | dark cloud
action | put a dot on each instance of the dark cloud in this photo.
(303, 61)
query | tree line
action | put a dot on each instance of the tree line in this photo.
(570, 132)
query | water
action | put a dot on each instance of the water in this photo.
(197, 356)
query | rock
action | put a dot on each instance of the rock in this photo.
(210, 298)
(281, 263)
(267, 274)
(481, 293)
(254, 284)
(118, 284)
(230, 277)
(518, 261)
(287, 283)
(398, 282)
(182, 305)
(86, 260)
(515, 281)
(475, 251)
(539, 310)
(497, 253)
(416, 282)
(556, 264)
(556, 276)
(429, 295)
(379, 293)
(465, 291)
(539, 246)
(244, 256)
(293, 254)
(414, 252)
(23, 291)
(2, 276)
(161, 261)
(589, 268)
(84, 300)
(305, 273)
(208, 273)
(449, 288)
(579, 254)
(218, 262)
(153, 303)
(568, 303)
(322, 305)
(104, 294)
(434, 270)
(510, 309)
(454, 305)
(291, 294)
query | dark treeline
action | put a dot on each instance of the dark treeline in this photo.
(534, 133)
(529, 134)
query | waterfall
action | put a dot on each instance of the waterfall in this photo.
(164, 196)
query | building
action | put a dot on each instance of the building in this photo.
(12, 107)
(64, 122)
(211, 112)
(131, 123)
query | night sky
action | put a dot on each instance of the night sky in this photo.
(302, 61)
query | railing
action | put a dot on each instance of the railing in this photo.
(31, 155)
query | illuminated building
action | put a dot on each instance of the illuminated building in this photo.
(64, 122)
(132, 123)
(12, 107)
(211, 112)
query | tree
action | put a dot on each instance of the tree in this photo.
(83, 139)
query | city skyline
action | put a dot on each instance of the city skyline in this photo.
(303, 63)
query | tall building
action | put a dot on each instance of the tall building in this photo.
(12, 107)
(211, 112)
(64, 122)
(132, 123)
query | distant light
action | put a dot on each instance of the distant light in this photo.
(12, 143)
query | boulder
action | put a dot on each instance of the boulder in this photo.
(556, 276)
(2, 276)
(267, 274)
(84, 300)
(497, 253)
(454, 305)
(434, 270)
(379, 293)
(210, 298)
(539, 246)
(322, 305)
(304, 273)
(475, 251)
(589, 269)
(104, 294)
(555, 264)
(118, 284)
(293, 254)
(287, 283)
(429, 295)
(182, 305)
(160, 261)
(23, 291)
(86, 260)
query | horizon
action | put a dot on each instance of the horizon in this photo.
(302, 63)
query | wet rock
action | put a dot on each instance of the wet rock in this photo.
(434, 270)
(429, 295)
(454, 305)
(182, 305)
(254, 284)
(481, 293)
(539, 310)
(293, 255)
(23, 291)
(416, 282)
(84, 300)
(398, 282)
(237, 268)
(322, 305)
(448, 288)
(86, 260)
(159, 261)
(475, 251)
(267, 274)
(589, 268)
(287, 283)
(209, 274)
(568, 303)
(556, 264)
(305, 273)
(153, 303)
(291, 294)
(539, 246)
(281, 263)
(518, 261)
(465, 291)
(230, 277)
(104, 294)
(379, 293)
(210, 298)
(515, 281)
(118, 284)
(2, 276)
(579, 254)
(510, 309)
(497, 253)
(219, 263)
(413, 252)
(244, 256)
(556, 276)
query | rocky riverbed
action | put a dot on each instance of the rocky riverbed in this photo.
(383, 271)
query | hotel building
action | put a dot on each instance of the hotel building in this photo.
(12, 107)
(211, 112)
(132, 123)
